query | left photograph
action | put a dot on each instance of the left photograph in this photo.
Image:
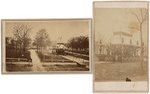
(46, 46)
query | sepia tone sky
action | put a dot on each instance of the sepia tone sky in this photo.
(109, 20)
(58, 30)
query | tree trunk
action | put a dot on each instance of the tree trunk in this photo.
(141, 35)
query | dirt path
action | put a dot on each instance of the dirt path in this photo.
(37, 65)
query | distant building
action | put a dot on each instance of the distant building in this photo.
(121, 47)
(55, 46)
(61, 46)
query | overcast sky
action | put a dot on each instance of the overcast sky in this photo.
(109, 20)
(55, 28)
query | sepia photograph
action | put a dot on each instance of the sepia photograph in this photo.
(43, 46)
(120, 54)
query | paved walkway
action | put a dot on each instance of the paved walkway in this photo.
(78, 60)
(37, 65)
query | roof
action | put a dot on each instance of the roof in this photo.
(122, 33)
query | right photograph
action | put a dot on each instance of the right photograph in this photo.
(120, 51)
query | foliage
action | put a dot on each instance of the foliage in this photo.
(41, 40)
(14, 52)
(79, 43)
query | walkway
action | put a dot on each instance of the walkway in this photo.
(75, 59)
(37, 65)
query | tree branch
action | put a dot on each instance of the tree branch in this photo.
(136, 17)
(145, 16)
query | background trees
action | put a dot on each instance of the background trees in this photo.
(22, 36)
(16, 46)
(79, 43)
(41, 40)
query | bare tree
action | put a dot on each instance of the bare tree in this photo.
(21, 35)
(141, 17)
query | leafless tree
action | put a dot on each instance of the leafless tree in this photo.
(21, 34)
(141, 17)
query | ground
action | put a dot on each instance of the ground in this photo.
(120, 71)
(37, 66)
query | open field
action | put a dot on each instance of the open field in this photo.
(120, 71)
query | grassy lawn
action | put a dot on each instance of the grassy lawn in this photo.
(119, 71)
(49, 57)
(54, 57)
(29, 68)
(64, 68)
(26, 68)
(18, 68)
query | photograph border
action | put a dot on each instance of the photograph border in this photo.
(93, 51)
(3, 69)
